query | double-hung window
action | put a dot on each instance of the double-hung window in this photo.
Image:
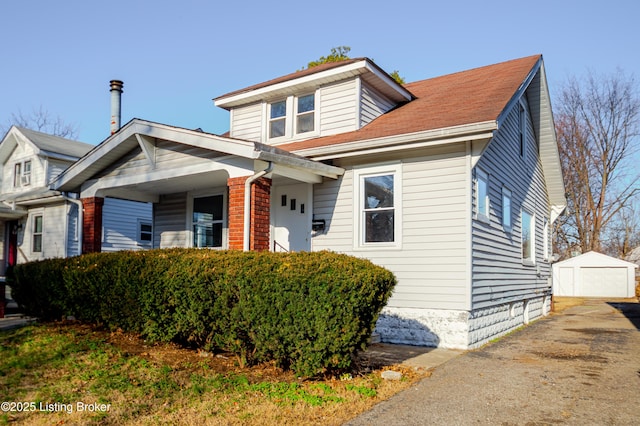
(22, 174)
(277, 119)
(528, 237)
(305, 119)
(208, 221)
(38, 223)
(378, 211)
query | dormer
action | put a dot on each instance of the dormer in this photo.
(324, 100)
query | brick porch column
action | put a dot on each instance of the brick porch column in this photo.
(92, 224)
(260, 213)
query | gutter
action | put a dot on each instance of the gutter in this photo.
(247, 204)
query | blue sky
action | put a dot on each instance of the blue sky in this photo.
(175, 56)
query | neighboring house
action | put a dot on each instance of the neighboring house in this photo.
(38, 222)
(452, 183)
(594, 275)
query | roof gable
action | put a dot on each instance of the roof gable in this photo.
(43, 144)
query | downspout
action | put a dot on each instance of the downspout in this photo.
(247, 204)
(80, 218)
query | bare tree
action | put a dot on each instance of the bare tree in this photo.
(597, 123)
(42, 121)
(623, 234)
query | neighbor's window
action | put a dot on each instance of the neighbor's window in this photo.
(482, 194)
(506, 208)
(528, 233)
(305, 114)
(208, 221)
(145, 233)
(379, 206)
(17, 174)
(22, 174)
(277, 119)
(37, 234)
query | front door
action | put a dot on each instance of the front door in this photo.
(291, 212)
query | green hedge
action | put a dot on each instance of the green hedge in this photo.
(307, 311)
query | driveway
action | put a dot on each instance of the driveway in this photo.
(577, 367)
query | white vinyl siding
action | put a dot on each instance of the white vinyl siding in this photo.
(338, 108)
(498, 273)
(373, 105)
(167, 156)
(170, 221)
(431, 266)
(246, 122)
(120, 223)
(55, 167)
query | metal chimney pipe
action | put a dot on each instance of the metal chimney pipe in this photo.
(116, 93)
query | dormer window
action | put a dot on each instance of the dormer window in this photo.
(305, 118)
(292, 117)
(278, 119)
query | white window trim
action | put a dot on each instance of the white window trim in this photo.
(359, 173)
(296, 114)
(139, 240)
(225, 221)
(506, 194)
(532, 232)
(481, 175)
(291, 115)
(21, 177)
(32, 232)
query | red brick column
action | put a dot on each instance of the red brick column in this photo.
(92, 224)
(260, 213)
(236, 216)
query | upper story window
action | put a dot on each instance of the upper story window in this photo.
(277, 119)
(305, 120)
(293, 116)
(22, 174)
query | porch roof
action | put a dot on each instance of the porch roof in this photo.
(142, 133)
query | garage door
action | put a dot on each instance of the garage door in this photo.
(604, 282)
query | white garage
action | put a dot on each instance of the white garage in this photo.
(594, 275)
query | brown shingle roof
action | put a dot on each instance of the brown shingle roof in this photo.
(466, 97)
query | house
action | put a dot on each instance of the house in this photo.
(453, 183)
(38, 222)
(594, 274)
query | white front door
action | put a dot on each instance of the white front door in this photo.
(291, 213)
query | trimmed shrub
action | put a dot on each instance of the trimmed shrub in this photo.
(309, 312)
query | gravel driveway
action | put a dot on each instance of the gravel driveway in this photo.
(577, 367)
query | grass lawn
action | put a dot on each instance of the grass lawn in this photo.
(73, 374)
